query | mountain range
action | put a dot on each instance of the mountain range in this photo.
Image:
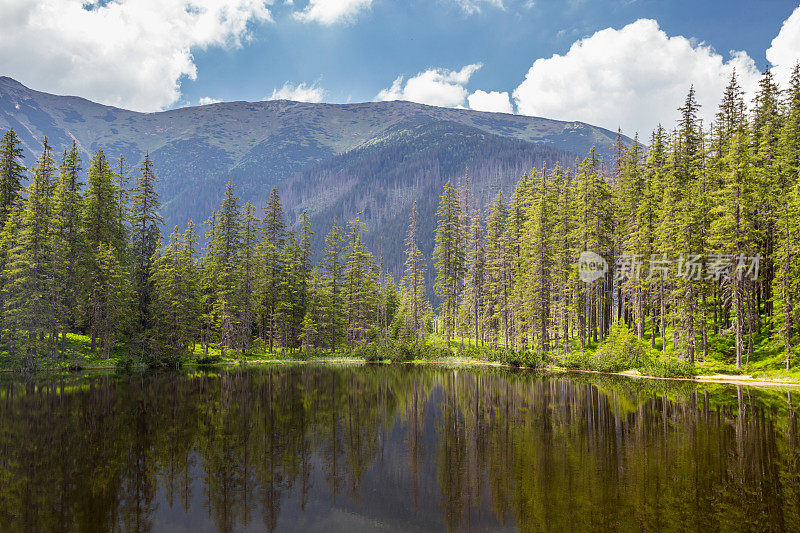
(334, 160)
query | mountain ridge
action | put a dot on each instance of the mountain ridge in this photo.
(336, 160)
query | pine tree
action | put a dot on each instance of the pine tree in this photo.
(593, 234)
(223, 251)
(104, 234)
(70, 241)
(12, 172)
(175, 298)
(476, 265)
(414, 279)
(766, 137)
(733, 229)
(645, 237)
(110, 297)
(146, 222)
(272, 247)
(538, 258)
(787, 218)
(361, 285)
(31, 293)
(333, 268)
(248, 268)
(449, 257)
(498, 270)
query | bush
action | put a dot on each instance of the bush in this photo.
(210, 359)
(517, 358)
(621, 351)
(369, 352)
(669, 368)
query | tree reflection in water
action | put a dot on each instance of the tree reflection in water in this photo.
(406, 447)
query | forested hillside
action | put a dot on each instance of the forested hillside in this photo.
(333, 160)
(678, 254)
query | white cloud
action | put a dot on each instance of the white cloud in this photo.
(633, 78)
(208, 100)
(439, 87)
(329, 12)
(298, 93)
(784, 51)
(494, 101)
(127, 53)
(471, 7)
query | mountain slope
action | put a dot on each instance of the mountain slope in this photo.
(335, 160)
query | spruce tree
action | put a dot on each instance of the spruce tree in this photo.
(223, 251)
(449, 257)
(414, 278)
(146, 222)
(70, 246)
(787, 218)
(104, 234)
(499, 257)
(248, 268)
(31, 290)
(272, 248)
(12, 172)
(333, 268)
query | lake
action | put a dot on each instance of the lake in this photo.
(393, 448)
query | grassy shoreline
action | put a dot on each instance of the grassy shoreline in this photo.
(720, 378)
(620, 353)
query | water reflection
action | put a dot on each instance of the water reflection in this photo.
(406, 448)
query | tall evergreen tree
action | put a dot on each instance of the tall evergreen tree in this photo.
(272, 248)
(223, 255)
(70, 241)
(449, 257)
(414, 278)
(333, 269)
(146, 222)
(31, 291)
(12, 172)
(105, 234)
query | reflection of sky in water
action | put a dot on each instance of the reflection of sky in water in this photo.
(492, 451)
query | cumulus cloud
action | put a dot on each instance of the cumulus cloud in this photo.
(436, 86)
(784, 51)
(298, 93)
(127, 53)
(631, 78)
(494, 101)
(329, 12)
(208, 100)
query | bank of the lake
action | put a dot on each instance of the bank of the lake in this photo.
(619, 353)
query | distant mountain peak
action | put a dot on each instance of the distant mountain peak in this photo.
(332, 159)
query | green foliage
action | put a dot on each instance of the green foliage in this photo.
(507, 276)
(622, 351)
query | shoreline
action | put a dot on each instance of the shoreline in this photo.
(729, 379)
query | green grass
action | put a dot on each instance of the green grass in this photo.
(620, 352)
(78, 355)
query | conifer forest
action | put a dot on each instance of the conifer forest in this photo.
(699, 227)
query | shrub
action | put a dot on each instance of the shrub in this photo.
(517, 358)
(621, 351)
(210, 359)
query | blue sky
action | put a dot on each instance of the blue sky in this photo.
(614, 63)
(354, 61)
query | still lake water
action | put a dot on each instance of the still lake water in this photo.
(398, 448)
